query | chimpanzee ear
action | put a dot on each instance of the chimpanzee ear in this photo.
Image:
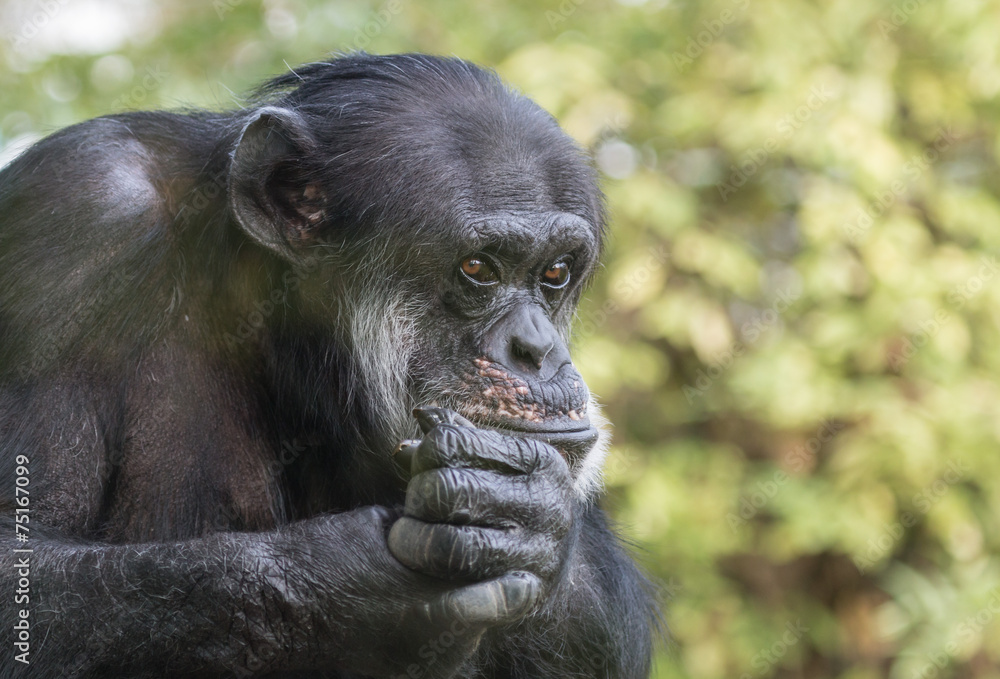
(270, 192)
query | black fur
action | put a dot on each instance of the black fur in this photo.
(207, 427)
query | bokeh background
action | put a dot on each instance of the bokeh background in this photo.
(797, 332)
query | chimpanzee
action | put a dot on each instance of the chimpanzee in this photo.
(285, 391)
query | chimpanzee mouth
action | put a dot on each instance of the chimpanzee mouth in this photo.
(553, 410)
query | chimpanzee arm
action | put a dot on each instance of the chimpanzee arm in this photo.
(323, 593)
(103, 610)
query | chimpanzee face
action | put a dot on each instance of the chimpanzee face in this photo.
(460, 235)
(500, 320)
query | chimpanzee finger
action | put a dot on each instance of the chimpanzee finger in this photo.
(453, 446)
(503, 600)
(446, 551)
(430, 417)
(405, 452)
(484, 498)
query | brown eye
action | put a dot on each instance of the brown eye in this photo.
(557, 275)
(479, 270)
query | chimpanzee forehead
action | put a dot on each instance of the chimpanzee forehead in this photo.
(478, 206)
(427, 160)
(530, 234)
(489, 166)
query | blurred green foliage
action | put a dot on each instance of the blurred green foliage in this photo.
(797, 333)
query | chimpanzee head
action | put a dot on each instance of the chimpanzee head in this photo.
(457, 225)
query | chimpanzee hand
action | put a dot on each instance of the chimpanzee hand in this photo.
(481, 504)
(350, 604)
(484, 535)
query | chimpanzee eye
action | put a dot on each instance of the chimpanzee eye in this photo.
(556, 275)
(479, 270)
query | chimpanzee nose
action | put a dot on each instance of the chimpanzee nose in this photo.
(526, 341)
(531, 345)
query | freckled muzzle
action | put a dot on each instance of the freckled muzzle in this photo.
(553, 410)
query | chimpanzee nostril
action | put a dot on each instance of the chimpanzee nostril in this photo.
(520, 353)
(532, 351)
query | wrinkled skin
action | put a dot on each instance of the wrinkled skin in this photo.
(481, 504)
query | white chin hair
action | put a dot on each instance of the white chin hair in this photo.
(589, 471)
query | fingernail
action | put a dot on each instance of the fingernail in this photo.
(405, 451)
(428, 418)
(405, 443)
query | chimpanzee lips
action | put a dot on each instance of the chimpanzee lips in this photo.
(573, 444)
(554, 411)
